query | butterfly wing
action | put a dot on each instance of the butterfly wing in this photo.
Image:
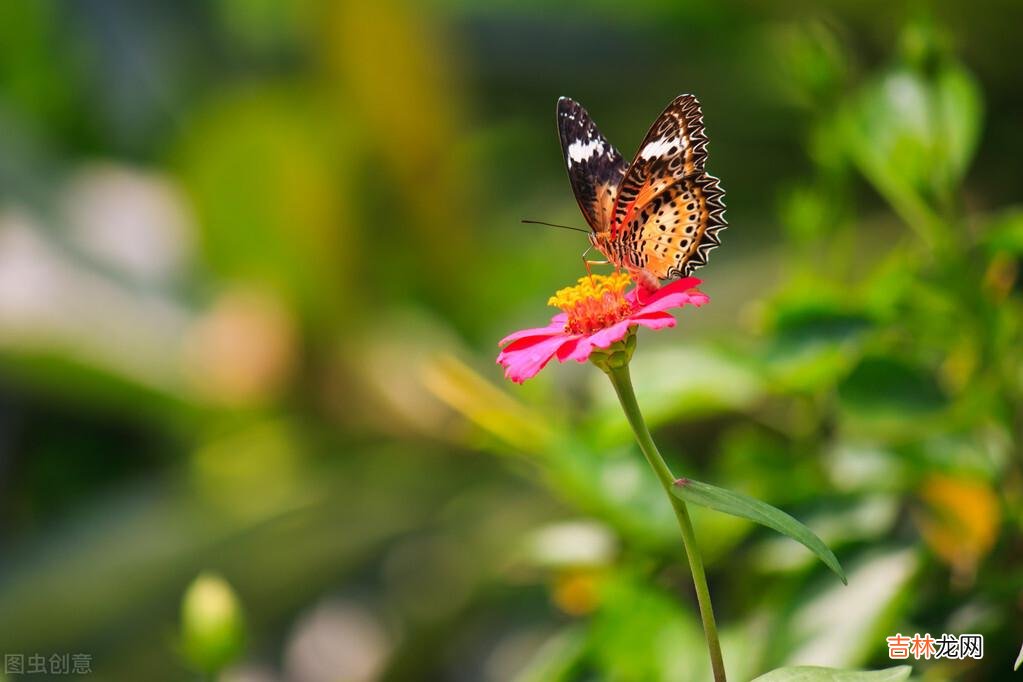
(673, 234)
(668, 211)
(595, 168)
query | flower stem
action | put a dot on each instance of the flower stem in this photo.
(623, 387)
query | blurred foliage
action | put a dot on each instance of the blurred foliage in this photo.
(255, 256)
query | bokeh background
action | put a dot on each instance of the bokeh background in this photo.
(255, 257)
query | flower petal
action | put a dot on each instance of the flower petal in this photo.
(601, 339)
(640, 297)
(524, 353)
(528, 341)
(675, 299)
(566, 350)
(525, 361)
(654, 320)
(557, 324)
(616, 332)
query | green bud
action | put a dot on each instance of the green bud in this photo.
(212, 624)
(617, 355)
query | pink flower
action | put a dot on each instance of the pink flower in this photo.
(595, 314)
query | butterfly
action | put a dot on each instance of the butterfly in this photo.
(659, 216)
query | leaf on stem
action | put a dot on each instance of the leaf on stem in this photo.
(733, 503)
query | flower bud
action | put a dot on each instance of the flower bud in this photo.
(212, 625)
(617, 355)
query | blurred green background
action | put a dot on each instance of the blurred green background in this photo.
(255, 257)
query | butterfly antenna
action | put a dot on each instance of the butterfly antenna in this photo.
(564, 227)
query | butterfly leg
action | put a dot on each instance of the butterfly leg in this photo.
(587, 262)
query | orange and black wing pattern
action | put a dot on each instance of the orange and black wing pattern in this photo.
(668, 210)
(595, 168)
(677, 229)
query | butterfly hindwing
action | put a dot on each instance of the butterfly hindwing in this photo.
(675, 231)
(595, 168)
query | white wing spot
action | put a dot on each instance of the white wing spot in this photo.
(660, 146)
(578, 150)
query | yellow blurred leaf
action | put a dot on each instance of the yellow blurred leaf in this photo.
(960, 364)
(393, 69)
(959, 522)
(577, 591)
(387, 64)
(487, 406)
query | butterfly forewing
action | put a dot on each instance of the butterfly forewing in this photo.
(668, 211)
(595, 168)
(674, 147)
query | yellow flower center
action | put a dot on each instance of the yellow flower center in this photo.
(596, 302)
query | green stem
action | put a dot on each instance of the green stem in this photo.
(623, 387)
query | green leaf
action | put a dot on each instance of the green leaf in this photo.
(809, 673)
(1004, 233)
(556, 659)
(1019, 660)
(959, 107)
(733, 503)
(639, 633)
(819, 321)
(809, 62)
(814, 344)
(873, 599)
(884, 387)
(282, 223)
(675, 383)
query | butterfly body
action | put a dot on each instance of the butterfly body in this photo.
(659, 216)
